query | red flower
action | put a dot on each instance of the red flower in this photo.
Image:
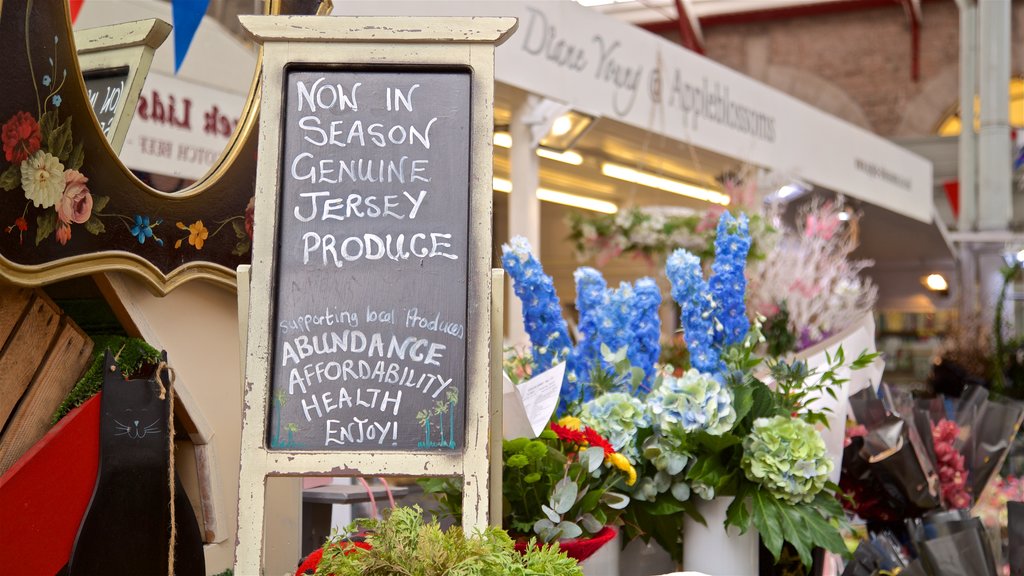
(22, 225)
(21, 137)
(595, 439)
(568, 435)
(250, 216)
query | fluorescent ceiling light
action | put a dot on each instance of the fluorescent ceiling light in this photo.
(661, 183)
(564, 198)
(936, 283)
(504, 140)
(561, 126)
(568, 157)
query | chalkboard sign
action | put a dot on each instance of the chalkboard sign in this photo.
(369, 337)
(105, 90)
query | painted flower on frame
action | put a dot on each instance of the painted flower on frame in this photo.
(250, 216)
(197, 234)
(42, 177)
(75, 206)
(63, 233)
(21, 137)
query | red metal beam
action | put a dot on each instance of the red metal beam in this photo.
(687, 35)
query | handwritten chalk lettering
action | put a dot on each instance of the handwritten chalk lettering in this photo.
(306, 168)
(342, 133)
(324, 403)
(400, 98)
(398, 207)
(327, 96)
(330, 317)
(363, 372)
(371, 246)
(542, 39)
(380, 316)
(357, 342)
(359, 431)
(435, 324)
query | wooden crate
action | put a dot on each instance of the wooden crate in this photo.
(42, 354)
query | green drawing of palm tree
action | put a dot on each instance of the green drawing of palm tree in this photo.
(452, 395)
(281, 399)
(292, 428)
(440, 409)
(423, 417)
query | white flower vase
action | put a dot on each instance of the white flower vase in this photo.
(604, 562)
(714, 550)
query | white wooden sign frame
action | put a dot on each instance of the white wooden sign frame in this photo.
(372, 41)
(128, 45)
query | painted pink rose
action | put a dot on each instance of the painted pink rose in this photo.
(75, 206)
(63, 233)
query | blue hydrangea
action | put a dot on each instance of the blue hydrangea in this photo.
(692, 403)
(618, 417)
(591, 302)
(645, 325)
(542, 312)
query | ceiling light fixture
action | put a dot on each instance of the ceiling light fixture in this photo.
(564, 198)
(936, 283)
(660, 182)
(504, 140)
(566, 130)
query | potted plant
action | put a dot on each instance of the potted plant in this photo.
(403, 543)
(556, 488)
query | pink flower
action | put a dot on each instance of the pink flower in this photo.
(75, 206)
(63, 233)
(250, 216)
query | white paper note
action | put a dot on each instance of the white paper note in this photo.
(527, 408)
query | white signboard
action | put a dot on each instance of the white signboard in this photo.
(602, 66)
(180, 128)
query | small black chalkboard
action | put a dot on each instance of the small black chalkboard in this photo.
(370, 304)
(105, 89)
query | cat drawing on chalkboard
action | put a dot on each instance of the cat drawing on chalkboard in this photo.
(126, 530)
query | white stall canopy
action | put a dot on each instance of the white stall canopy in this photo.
(603, 67)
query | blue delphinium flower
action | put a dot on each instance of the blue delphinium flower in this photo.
(542, 313)
(645, 326)
(615, 328)
(728, 283)
(591, 301)
(691, 292)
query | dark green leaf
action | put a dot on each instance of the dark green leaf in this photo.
(99, 203)
(241, 248)
(821, 532)
(76, 158)
(46, 223)
(46, 124)
(716, 444)
(95, 226)
(239, 228)
(794, 532)
(766, 522)
(738, 514)
(59, 141)
(590, 500)
(743, 401)
(11, 178)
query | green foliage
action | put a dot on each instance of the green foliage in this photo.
(130, 355)
(797, 387)
(780, 339)
(228, 572)
(403, 543)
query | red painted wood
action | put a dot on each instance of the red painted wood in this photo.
(44, 495)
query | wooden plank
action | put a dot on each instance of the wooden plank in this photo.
(13, 303)
(24, 353)
(67, 359)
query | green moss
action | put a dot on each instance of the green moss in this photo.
(130, 353)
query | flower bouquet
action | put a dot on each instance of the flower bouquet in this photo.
(735, 424)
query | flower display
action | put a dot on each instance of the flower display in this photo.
(591, 300)
(42, 178)
(952, 472)
(21, 137)
(728, 283)
(692, 403)
(645, 325)
(618, 417)
(787, 456)
(698, 307)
